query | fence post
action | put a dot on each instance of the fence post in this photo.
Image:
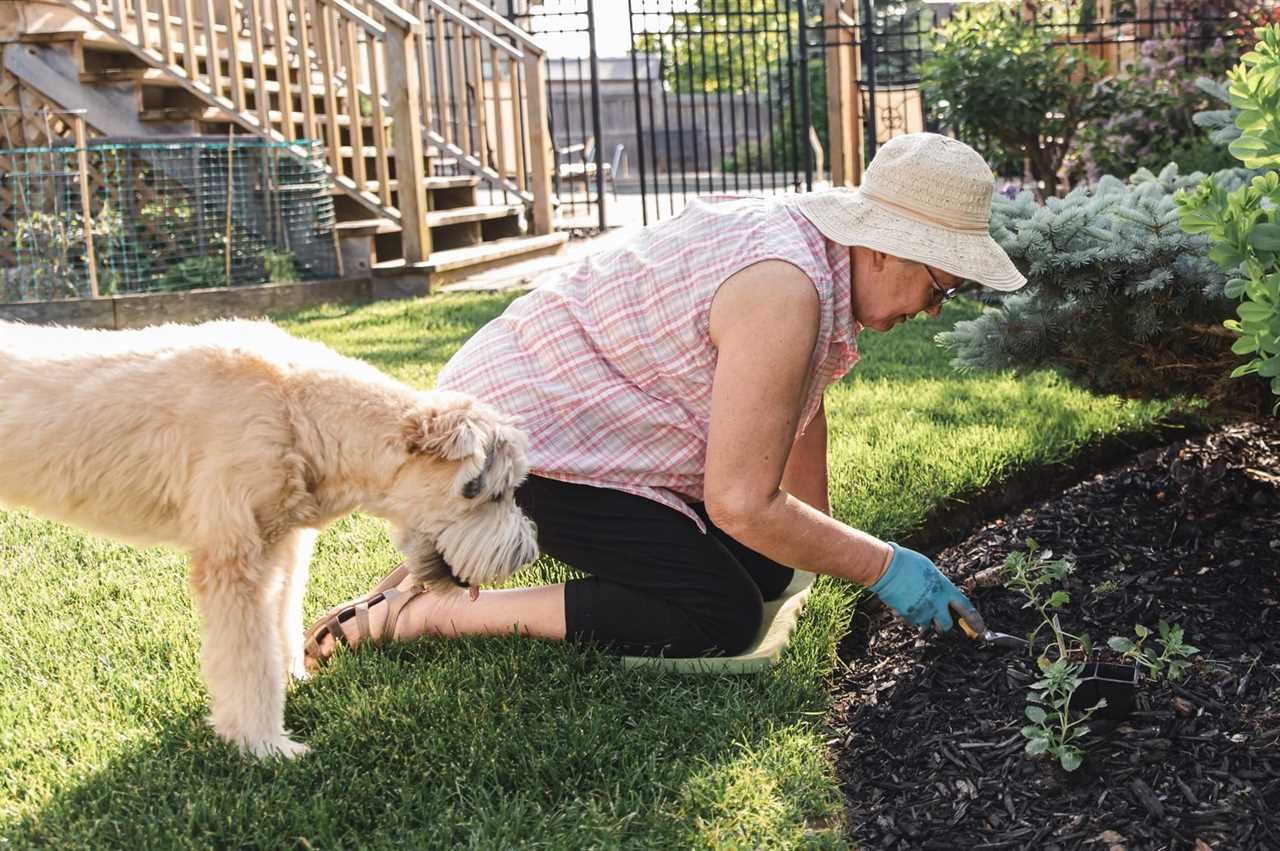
(82, 166)
(842, 99)
(404, 95)
(539, 139)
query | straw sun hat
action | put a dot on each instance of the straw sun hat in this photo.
(926, 198)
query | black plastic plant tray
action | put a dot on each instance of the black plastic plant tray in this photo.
(1117, 683)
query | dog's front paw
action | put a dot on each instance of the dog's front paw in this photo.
(277, 747)
(297, 668)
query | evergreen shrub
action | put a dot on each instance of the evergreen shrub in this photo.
(1119, 297)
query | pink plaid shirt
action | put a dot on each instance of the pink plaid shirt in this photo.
(609, 366)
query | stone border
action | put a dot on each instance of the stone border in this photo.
(139, 309)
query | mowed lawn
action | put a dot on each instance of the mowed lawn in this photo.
(479, 743)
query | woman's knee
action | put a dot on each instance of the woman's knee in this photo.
(733, 629)
(774, 581)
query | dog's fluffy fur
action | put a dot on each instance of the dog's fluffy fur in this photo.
(236, 442)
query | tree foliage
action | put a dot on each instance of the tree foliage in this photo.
(1000, 84)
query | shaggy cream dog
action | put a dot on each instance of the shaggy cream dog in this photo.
(237, 442)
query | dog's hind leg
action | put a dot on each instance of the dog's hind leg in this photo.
(241, 655)
(295, 551)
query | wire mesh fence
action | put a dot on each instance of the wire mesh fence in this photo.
(130, 217)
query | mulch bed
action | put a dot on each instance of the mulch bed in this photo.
(926, 730)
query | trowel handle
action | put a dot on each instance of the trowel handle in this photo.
(970, 621)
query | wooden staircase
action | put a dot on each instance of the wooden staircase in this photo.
(432, 116)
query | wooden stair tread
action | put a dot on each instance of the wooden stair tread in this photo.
(366, 227)
(476, 213)
(163, 79)
(218, 114)
(460, 181)
(104, 42)
(474, 255)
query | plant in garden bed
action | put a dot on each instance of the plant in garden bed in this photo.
(1171, 661)
(1058, 723)
(1054, 729)
(1244, 223)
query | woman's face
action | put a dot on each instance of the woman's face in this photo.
(888, 290)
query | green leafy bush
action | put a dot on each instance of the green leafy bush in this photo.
(1004, 87)
(1244, 223)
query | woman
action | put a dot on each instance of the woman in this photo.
(672, 392)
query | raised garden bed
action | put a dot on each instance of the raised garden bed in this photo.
(926, 732)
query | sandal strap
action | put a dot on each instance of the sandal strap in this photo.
(396, 601)
(331, 627)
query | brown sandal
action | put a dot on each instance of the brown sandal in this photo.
(394, 590)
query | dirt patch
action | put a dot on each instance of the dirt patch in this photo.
(925, 732)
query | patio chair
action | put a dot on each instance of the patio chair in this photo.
(583, 167)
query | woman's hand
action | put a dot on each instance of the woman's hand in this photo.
(918, 593)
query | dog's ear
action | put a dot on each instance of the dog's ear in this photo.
(454, 433)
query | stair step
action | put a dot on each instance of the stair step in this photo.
(215, 114)
(104, 42)
(455, 259)
(477, 213)
(367, 227)
(50, 37)
(149, 76)
(459, 181)
(163, 79)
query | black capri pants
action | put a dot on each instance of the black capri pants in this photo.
(658, 585)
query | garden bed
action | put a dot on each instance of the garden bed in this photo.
(926, 732)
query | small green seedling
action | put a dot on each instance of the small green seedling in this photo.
(1030, 573)
(1105, 587)
(1173, 655)
(1052, 728)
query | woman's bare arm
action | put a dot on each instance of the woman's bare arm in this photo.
(805, 476)
(764, 323)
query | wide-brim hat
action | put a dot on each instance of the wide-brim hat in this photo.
(925, 198)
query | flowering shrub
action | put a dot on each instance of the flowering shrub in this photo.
(1150, 115)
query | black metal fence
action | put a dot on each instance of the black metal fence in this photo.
(730, 96)
(901, 36)
(567, 28)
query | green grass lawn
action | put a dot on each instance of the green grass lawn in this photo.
(478, 743)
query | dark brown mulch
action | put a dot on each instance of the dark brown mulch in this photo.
(926, 731)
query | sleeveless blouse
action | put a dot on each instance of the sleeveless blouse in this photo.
(608, 366)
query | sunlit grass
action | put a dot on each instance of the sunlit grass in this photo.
(483, 743)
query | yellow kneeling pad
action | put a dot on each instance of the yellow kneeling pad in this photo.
(779, 622)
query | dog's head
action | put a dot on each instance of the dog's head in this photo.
(452, 499)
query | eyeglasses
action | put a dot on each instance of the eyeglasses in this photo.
(942, 294)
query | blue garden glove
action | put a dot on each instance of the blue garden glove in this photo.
(918, 593)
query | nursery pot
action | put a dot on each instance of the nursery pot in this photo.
(1116, 683)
